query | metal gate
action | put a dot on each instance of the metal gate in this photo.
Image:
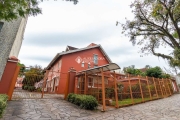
(38, 86)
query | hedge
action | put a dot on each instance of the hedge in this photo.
(84, 101)
(3, 103)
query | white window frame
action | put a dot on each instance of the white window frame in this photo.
(82, 64)
(92, 82)
(95, 60)
(89, 65)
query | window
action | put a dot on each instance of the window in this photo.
(95, 59)
(78, 82)
(89, 65)
(1, 25)
(90, 82)
(82, 64)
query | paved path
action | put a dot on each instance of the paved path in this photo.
(24, 94)
(42, 109)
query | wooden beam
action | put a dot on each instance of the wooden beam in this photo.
(149, 88)
(103, 90)
(161, 88)
(132, 99)
(115, 89)
(85, 83)
(155, 88)
(168, 86)
(141, 89)
(44, 83)
(164, 86)
(170, 83)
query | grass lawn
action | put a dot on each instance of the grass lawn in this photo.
(129, 101)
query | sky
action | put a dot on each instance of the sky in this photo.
(90, 21)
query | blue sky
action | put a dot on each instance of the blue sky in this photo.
(90, 21)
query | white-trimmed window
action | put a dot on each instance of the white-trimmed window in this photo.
(95, 59)
(89, 65)
(82, 64)
(90, 82)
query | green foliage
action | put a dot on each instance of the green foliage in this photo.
(84, 101)
(12, 9)
(155, 25)
(71, 97)
(150, 72)
(154, 72)
(22, 69)
(3, 103)
(31, 88)
(109, 92)
(25, 87)
(34, 70)
(131, 70)
(33, 75)
(38, 90)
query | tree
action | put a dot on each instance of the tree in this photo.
(12, 9)
(156, 23)
(34, 70)
(22, 69)
(156, 72)
(132, 70)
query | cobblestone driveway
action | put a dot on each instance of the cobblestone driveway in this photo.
(46, 109)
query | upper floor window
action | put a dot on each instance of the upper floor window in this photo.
(89, 65)
(95, 59)
(82, 64)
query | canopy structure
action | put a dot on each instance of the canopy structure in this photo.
(107, 67)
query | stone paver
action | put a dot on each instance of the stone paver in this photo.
(23, 94)
(58, 109)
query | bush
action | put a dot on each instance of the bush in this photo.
(25, 87)
(3, 103)
(38, 89)
(84, 101)
(31, 88)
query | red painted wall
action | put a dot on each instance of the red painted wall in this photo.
(7, 77)
(69, 61)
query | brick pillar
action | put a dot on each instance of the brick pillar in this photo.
(72, 74)
(9, 76)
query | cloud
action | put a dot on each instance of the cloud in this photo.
(90, 21)
(62, 39)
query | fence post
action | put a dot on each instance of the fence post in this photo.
(132, 99)
(141, 89)
(44, 83)
(103, 91)
(149, 88)
(160, 88)
(155, 88)
(115, 90)
(85, 83)
(168, 86)
(171, 86)
(98, 86)
(164, 86)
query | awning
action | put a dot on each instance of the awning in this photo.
(107, 67)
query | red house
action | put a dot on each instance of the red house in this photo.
(78, 58)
